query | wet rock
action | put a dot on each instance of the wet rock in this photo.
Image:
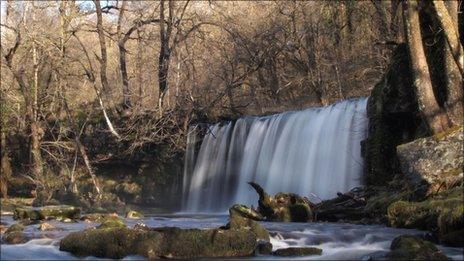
(349, 206)
(15, 235)
(112, 222)
(435, 163)
(442, 214)
(42, 213)
(237, 222)
(163, 242)
(46, 226)
(285, 207)
(408, 247)
(133, 214)
(246, 212)
(264, 248)
(297, 251)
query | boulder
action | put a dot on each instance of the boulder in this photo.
(132, 214)
(164, 242)
(15, 235)
(435, 163)
(112, 222)
(285, 207)
(48, 212)
(297, 251)
(46, 226)
(246, 212)
(237, 222)
(407, 247)
(442, 214)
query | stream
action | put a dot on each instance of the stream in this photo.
(339, 241)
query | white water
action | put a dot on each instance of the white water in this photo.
(311, 152)
(338, 241)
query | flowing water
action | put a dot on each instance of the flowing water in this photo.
(314, 152)
(338, 241)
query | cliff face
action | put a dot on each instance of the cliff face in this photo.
(393, 119)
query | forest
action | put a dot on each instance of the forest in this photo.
(151, 119)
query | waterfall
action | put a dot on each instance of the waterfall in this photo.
(315, 153)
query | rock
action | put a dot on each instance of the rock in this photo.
(442, 213)
(237, 222)
(15, 235)
(46, 226)
(162, 242)
(408, 247)
(285, 207)
(435, 163)
(112, 222)
(394, 119)
(133, 214)
(42, 213)
(297, 251)
(246, 212)
(264, 248)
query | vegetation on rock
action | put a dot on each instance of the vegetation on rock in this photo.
(413, 248)
(41, 213)
(118, 242)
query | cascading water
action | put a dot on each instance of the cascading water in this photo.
(314, 152)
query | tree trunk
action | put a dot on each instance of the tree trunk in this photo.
(101, 37)
(454, 79)
(452, 36)
(428, 106)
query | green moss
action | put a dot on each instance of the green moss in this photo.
(300, 213)
(408, 247)
(442, 135)
(161, 242)
(298, 251)
(41, 213)
(112, 222)
(443, 213)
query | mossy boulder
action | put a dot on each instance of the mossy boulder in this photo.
(48, 212)
(297, 251)
(443, 214)
(132, 214)
(162, 242)
(408, 247)
(237, 222)
(283, 207)
(435, 163)
(15, 235)
(246, 212)
(111, 222)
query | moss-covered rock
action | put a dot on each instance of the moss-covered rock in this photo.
(394, 119)
(434, 163)
(297, 251)
(408, 247)
(246, 212)
(112, 222)
(237, 222)
(14, 235)
(41, 213)
(443, 214)
(283, 207)
(163, 242)
(132, 214)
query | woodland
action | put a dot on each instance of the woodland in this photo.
(102, 102)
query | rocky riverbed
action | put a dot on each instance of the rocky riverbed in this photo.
(337, 240)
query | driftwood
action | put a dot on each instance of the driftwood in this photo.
(288, 207)
(295, 208)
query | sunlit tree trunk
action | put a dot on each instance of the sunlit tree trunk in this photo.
(428, 106)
